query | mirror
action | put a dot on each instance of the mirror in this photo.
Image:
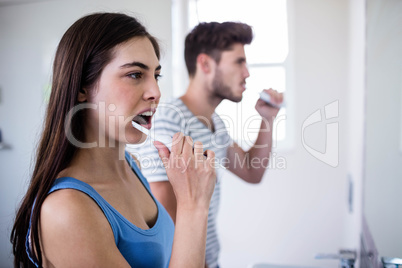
(383, 154)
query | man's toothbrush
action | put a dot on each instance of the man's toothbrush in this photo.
(163, 139)
(267, 98)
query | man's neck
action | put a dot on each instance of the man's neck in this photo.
(200, 102)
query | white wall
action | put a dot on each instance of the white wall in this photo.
(29, 34)
(383, 183)
(356, 116)
(303, 210)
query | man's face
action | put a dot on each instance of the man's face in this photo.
(230, 76)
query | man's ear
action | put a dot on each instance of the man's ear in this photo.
(204, 62)
(82, 95)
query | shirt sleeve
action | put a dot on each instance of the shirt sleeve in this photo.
(165, 124)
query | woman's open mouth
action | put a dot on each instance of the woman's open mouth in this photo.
(144, 119)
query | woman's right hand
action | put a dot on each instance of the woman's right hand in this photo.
(191, 174)
(193, 179)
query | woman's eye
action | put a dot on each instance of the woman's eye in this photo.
(135, 75)
(157, 77)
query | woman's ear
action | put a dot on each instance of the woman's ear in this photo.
(82, 95)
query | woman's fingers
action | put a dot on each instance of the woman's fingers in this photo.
(198, 152)
(187, 147)
(210, 155)
(177, 143)
(191, 172)
(185, 153)
(163, 152)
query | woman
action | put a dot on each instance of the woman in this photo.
(88, 204)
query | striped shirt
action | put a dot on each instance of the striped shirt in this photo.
(172, 117)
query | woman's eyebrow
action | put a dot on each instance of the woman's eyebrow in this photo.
(139, 64)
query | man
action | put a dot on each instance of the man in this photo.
(216, 64)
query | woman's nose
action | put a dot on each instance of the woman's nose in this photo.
(152, 91)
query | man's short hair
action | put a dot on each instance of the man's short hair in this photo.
(213, 38)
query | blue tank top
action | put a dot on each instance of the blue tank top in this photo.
(141, 248)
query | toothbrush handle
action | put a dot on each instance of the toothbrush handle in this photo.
(267, 99)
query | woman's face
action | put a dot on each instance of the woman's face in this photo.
(127, 90)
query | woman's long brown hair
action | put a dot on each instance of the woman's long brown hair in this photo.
(83, 52)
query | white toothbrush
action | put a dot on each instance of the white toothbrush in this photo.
(167, 141)
(267, 98)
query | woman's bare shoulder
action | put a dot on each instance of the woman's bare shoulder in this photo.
(74, 228)
(68, 205)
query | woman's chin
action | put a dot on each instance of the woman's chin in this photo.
(137, 139)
